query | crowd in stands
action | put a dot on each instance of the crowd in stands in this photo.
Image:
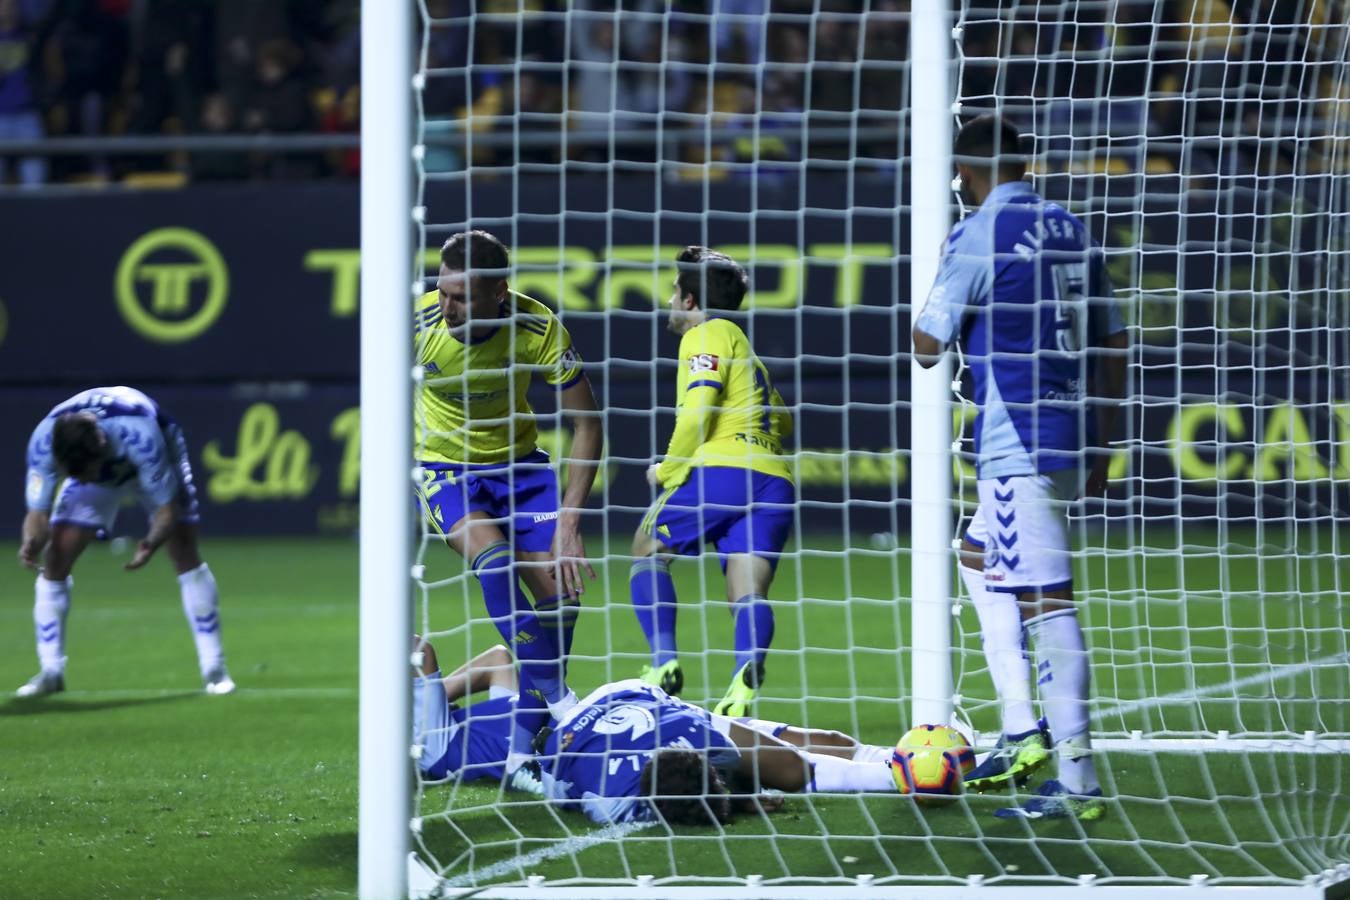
(541, 81)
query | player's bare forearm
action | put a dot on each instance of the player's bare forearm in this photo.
(588, 441)
(927, 349)
(161, 523)
(36, 528)
(1109, 386)
(493, 666)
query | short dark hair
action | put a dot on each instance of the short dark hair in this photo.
(477, 251)
(685, 789)
(990, 141)
(76, 442)
(715, 280)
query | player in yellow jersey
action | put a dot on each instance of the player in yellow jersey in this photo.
(724, 478)
(486, 486)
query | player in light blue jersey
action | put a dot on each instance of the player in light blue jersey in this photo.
(87, 456)
(628, 751)
(1023, 288)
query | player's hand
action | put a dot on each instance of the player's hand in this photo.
(29, 552)
(652, 478)
(144, 550)
(1098, 479)
(569, 550)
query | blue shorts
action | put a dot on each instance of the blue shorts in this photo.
(736, 510)
(522, 496)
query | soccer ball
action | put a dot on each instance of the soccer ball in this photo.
(931, 759)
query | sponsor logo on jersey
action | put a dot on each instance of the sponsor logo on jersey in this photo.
(544, 517)
(703, 362)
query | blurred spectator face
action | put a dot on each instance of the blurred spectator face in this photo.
(216, 113)
(9, 15)
(274, 62)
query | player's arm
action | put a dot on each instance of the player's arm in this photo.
(963, 276)
(694, 421)
(583, 462)
(561, 365)
(1107, 386)
(494, 667)
(143, 443)
(39, 492)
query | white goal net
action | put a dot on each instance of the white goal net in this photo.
(1207, 147)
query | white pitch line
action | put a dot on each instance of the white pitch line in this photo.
(1181, 698)
(606, 835)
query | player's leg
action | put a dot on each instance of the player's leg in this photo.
(196, 583)
(201, 606)
(1021, 748)
(750, 547)
(671, 526)
(528, 493)
(79, 513)
(51, 606)
(773, 763)
(820, 741)
(1042, 576)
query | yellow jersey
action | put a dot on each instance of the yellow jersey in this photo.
(471, 407)
(728, 413)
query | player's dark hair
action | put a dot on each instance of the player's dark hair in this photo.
(988, 141)
(685, 789)
(477, 251)
(75, 442)
(715, 280)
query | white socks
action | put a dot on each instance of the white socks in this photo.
(872, 753)
(200, 606)
(1005, 651)
(830, 774)
(51, 603)
(1063, 678)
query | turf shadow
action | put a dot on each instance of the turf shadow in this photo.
(329, 851)
(32, 706)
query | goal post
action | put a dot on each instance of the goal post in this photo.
(811, 140)
(930, 389)
(385, 554)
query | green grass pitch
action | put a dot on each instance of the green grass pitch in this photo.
(134, 784)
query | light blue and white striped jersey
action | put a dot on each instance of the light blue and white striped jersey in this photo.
(1022, 285)
(133, 426)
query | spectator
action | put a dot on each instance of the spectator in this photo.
(19, 116)
(278, 103)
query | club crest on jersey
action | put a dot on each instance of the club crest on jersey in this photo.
(636, 720)
(569, 359)
(703, 362)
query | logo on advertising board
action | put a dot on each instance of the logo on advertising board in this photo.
(171, 285)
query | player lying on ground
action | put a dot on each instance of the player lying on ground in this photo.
(484, 477)
(112, 444)
(629, 751)
(724, 479)
(1023, 288)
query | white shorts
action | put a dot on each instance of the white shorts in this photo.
(432, 713)
(95, 506)
(1022, 525)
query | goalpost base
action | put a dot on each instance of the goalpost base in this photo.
(1332, 886)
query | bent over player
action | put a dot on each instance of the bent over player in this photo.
(486, 486)
(110, 444)
(1022, 286)
(629, 751)
(724, 478)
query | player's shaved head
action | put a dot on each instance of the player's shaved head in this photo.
(993, 144)
(477, 252)
(77, 442)
(715, 280)
(685, 789)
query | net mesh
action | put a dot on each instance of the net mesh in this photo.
(1206, 148)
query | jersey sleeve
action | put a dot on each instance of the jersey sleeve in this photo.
(40, 482)
(426, 316)
(556, 357)
(143, 444)
(963, 279)
(704, 354)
